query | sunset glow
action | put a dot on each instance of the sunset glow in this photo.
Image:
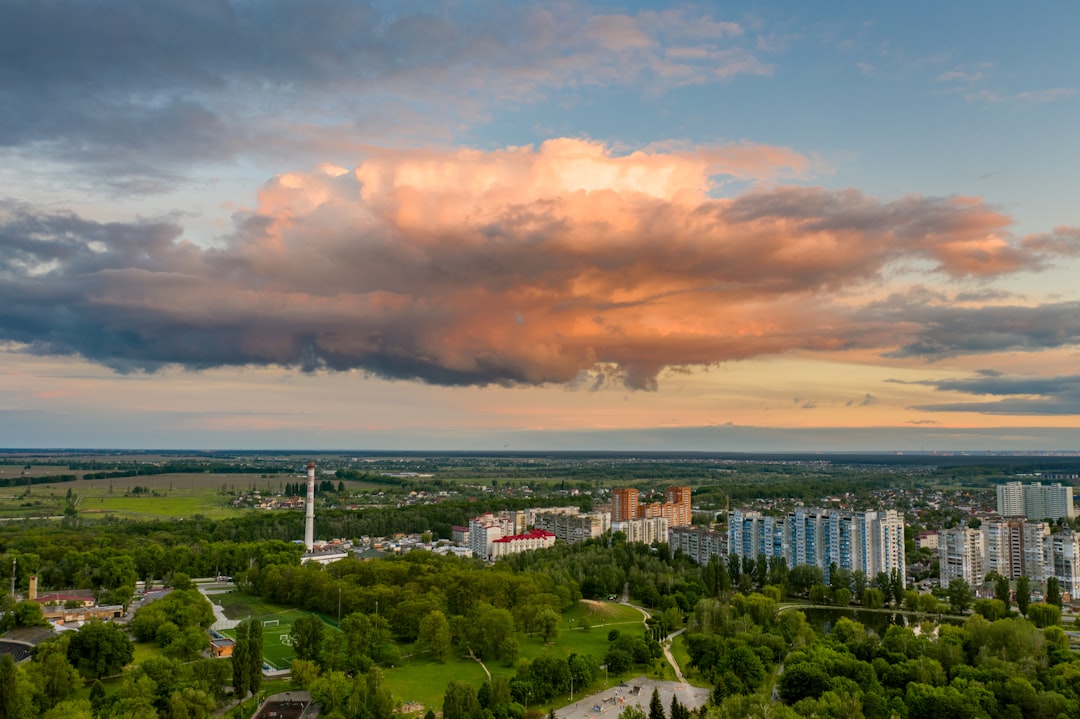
(539, 226)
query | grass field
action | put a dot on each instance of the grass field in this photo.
(423, 679)
(277, 647)
(277, 639)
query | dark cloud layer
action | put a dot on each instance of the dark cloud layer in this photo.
(942, 331)
(1057, 396)
(139, 91)
(469, 281)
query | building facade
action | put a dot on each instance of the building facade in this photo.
(573, 527)
(646, 530)
(515, 543)
(624, 504)
(1062, 560)
(961, 555)
(870, 542)
(1035, 500)
(677, 508)
(485, 529)
(698, 543)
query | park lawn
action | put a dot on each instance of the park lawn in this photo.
(606, 615)
(682, 656)
(423, 679)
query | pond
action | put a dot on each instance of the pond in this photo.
(822, 618)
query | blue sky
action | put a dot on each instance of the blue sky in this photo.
(476, 225)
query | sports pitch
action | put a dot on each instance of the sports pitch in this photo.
(277, 637)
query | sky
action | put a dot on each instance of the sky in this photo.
(339, 224)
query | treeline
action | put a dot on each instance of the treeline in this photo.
(485, 608)
(44, 479)
(141, 470)
(299, 489)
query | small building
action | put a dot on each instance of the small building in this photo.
(61, 616)
(536, 539)
(222, 648)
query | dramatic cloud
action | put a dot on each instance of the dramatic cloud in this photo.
(140, 90)
(526, 265)
(937, 331)
(1022, 395)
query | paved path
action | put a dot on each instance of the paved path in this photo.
(666, 645)
(220, 620)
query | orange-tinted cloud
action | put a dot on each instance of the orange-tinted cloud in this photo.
(524, 265)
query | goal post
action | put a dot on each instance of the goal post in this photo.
(271, 623)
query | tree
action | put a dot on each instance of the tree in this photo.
(190, 703)
(960, 595)
(546, 624)
(255, 655)
(52, 676)
(98, 697)
(1023, 594)
(678, 711)
(15, 701)
(303, 672)
(307, 637)
(1043, 614)
(73, 709)
(1002, 590)
(656, 707)
(27, 614)
(135, 698)
(99, 649)
(1053, 591)
(460, 702)
(241, 649)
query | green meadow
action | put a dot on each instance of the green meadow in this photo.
(423, 680)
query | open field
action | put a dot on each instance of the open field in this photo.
(277, 644)
(277, 639)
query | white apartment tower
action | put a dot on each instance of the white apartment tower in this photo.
(1035, 500)
(871, 542)
(961, 554)
(1062, 560)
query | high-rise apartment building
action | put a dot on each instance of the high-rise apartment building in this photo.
(870, 542)
(962, 555)
(1061, 559)
(676, 510)
(644, 530)
(1011, 547)
(1035, 500)
(698, 543)
(624, 504)
(677, 506)
(573, 527)
(485, 529)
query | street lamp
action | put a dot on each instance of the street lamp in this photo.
(339, 605)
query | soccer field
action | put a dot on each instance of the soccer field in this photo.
(277, 637)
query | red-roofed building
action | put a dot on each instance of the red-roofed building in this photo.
(536, 539)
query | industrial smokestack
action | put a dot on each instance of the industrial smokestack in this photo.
(309, 525)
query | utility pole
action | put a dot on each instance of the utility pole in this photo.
(14, 562)
(339, 605)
